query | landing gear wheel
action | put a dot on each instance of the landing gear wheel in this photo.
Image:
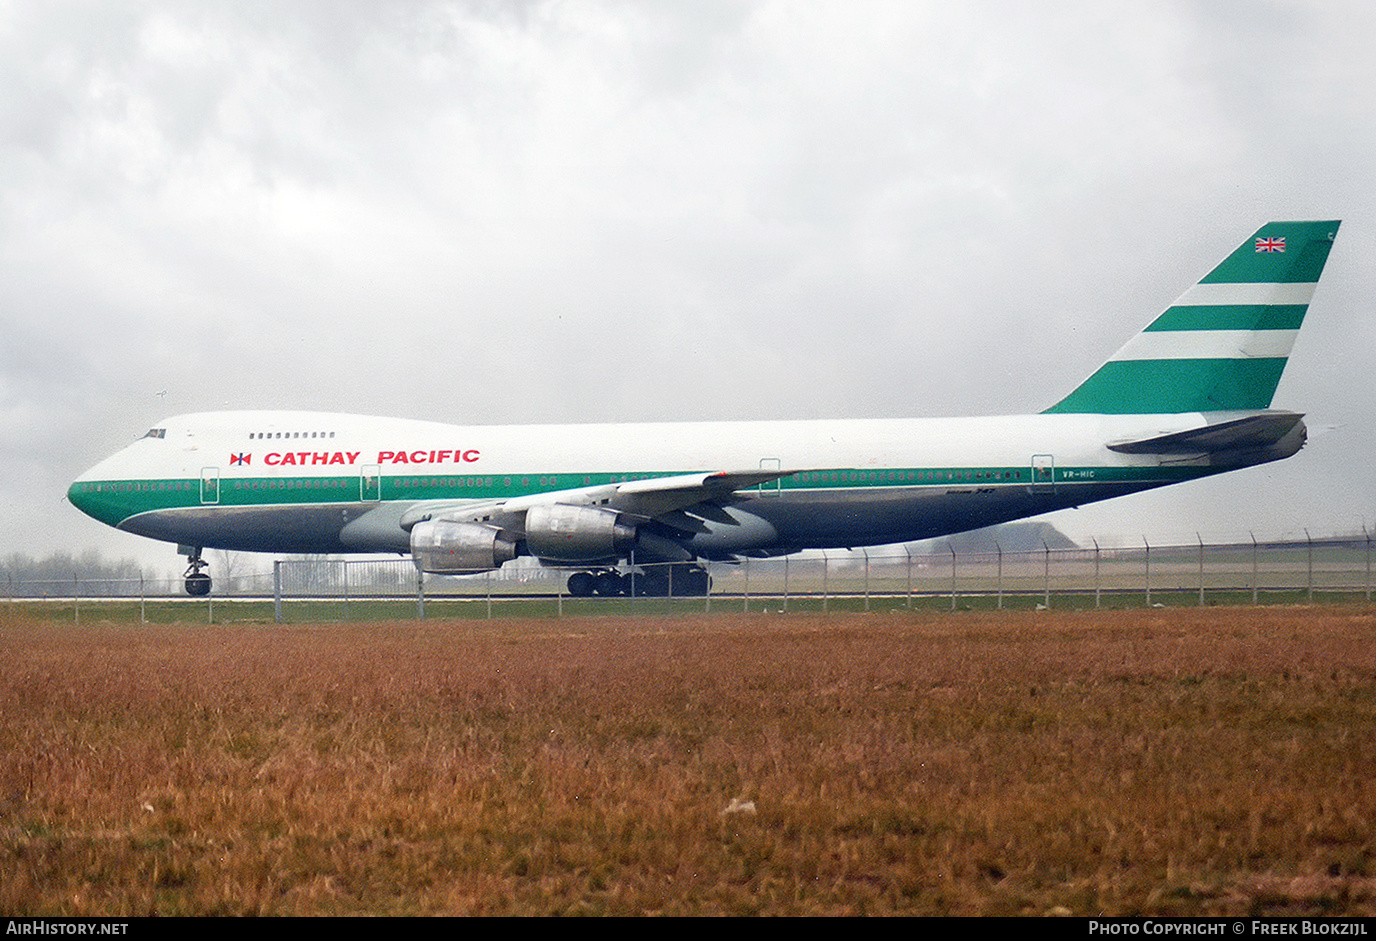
(609, 584)
(653, 583)
(582, 584)
(689, 581)
(197, 582)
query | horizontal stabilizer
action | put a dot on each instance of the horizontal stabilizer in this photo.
(1254, 431)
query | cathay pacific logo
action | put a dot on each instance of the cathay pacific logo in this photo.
(1271, 245)
(277, 459)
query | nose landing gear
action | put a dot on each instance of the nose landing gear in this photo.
(197, 582)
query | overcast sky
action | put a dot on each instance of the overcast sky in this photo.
(496, 212)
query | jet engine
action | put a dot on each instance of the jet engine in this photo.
(560, 532)
(445, 547)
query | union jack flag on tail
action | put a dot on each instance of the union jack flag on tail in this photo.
(1271, 244)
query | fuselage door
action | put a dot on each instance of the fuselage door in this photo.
(210, 485)
(1043, 473)
(370, 483)
(771, 488)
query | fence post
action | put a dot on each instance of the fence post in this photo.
(1201, 567)
(277, 591)
(76, 599)
(1148, 570)
(1310, 543)
(745, 597)
(143, 612)
(1046, 575)
(420, 595)
(1254, 567)
(785, 608)
(953, 576)
(908, 551)
(867, 579)
(1368, 563)
(999, 549)
(826, 598)
(1096, 574)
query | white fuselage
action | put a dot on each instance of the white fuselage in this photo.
(305, 481)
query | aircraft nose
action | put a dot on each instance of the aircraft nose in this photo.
(80, 495)
(95, 495)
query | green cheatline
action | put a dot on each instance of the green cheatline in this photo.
(113, 501)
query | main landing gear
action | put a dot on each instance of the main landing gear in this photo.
(657, 582)
(197, 582)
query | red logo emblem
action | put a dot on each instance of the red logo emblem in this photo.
(240, 458)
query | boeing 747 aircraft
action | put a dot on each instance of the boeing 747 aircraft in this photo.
(1187, 397)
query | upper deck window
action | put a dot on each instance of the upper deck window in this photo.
(259, 435)
(156, 433)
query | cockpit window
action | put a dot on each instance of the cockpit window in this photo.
(156, 433)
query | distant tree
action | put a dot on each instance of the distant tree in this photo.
(62, 573)
(232, 571)
(311, 573)
(1008, 537)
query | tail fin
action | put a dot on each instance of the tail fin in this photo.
(1223, 344)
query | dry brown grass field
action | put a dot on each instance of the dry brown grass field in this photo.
(1180, 761)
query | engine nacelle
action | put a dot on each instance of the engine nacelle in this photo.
(559, 532)
(444, 547)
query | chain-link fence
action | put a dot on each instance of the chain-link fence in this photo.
(320, 588)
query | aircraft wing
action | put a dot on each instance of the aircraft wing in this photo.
(650, 499)
(660, 496)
